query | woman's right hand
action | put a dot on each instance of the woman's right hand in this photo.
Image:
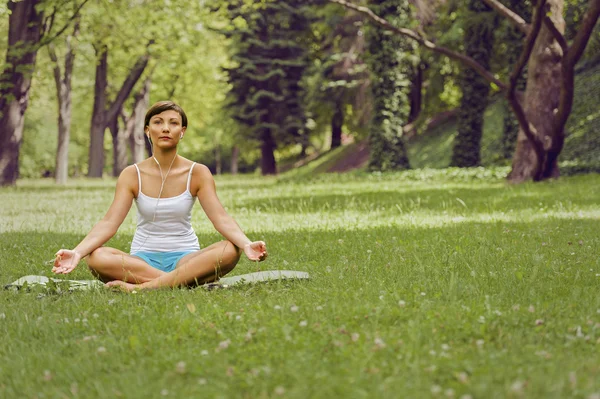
(66, 260)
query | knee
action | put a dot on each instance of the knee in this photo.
(231, 254)
(97, 257)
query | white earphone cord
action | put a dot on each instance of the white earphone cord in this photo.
(162, 185)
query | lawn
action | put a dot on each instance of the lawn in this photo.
(424, 284)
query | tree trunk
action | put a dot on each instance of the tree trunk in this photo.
(389, 94)
(268, 164)
(63, 94)
(96, 154)
(135, 123)
(478, 38)
(218, 163)
(416, 93)
(24, 34)
(235, 157)
(337, 121)
(119, 139)
(542, 96)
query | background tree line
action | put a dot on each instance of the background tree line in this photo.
(279, 80)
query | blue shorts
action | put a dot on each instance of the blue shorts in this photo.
(165, 261)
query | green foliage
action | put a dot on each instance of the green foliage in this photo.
(582, 143)
(338, 79)
(270, 57)
(184, 66)
(420, 284)
(442, 89)
(391, 70)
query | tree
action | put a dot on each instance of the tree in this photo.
(106, 113)
(390, 75)
(480, 22)
(31, 26)
(266, 95)
(543, 110)
(339, 91)
(64, 96)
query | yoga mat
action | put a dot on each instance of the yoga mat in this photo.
(73, 285)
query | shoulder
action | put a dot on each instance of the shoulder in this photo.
(201, 171)
(128, 173)
(201, 178)
(128, 178)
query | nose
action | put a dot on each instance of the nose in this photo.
(165, 127)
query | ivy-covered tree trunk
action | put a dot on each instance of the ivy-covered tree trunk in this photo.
(389, 68)
(542, 97)
(478, 41)
(514, 46)
(24, 34)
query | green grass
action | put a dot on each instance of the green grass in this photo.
(424, 284)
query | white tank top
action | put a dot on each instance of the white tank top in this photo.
(172, 229)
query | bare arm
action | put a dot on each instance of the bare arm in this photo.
(223, 222)
(67, 260)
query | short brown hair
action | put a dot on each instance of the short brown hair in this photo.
(163, 106)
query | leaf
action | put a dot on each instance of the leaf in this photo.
(191, 307)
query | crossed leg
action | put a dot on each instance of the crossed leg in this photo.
(108, 264)
(129, 272)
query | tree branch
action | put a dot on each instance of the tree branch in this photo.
(47, 40)
(583, 34)
(127, 86)
(55, 69)
(425, 43)
(70, 56)
(560, 38)
(512, 16)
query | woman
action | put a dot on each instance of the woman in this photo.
(165, 251)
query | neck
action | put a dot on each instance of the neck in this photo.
(165, 158)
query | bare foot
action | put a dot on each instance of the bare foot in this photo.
(123, 285)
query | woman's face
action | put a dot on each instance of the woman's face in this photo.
(165, 129)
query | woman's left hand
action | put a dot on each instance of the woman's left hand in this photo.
(256, 250)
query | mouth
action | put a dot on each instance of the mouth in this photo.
(164, 138)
